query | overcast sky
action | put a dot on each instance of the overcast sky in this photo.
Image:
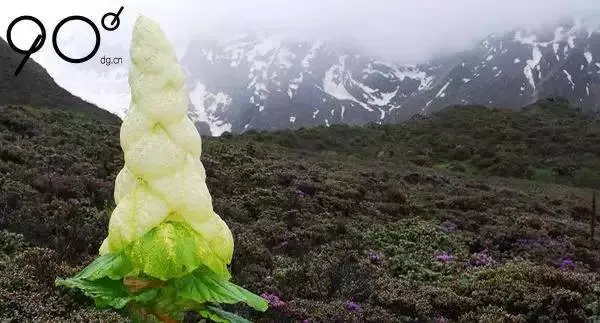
(402, 30)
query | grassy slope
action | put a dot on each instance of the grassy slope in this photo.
(309, 209)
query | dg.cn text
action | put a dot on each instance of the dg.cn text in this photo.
(108, 61)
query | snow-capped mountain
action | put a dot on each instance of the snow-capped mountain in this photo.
(270, 82)
(522, 66)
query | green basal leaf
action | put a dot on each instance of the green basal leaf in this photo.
(107, 292)
(218, 315)
(173, 249)
(203, 286)
(169, 302)
(113, 265)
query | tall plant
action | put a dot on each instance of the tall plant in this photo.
(166, 251)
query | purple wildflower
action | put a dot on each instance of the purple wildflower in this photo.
(273, 300)
(445, 257)
(566, 263)
(375, 257)
(448, 226)
(352, 306)
(524, 241)
(442, 320)
(482, 259)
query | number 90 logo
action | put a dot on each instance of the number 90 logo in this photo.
(41, 38)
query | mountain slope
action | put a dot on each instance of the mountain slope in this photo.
(270, 82)
(35, 87)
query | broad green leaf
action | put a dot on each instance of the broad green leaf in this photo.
(113, 265)
(173, 249)
(107, 292)
(204, 286)
(218, 315)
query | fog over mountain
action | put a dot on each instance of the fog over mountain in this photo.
(399, 33)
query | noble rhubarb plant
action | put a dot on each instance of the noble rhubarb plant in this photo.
(166, 251)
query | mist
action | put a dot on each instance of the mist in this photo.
(402, 31)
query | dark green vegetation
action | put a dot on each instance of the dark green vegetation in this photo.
(549, 141)
(341, 223)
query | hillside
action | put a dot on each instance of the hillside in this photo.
(35, 87)
(465, 216)
(548, 141)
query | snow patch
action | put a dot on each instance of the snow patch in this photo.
(570, 78)
(333, 84)
(441, 93)
(210, 107)
(571, 41)
(466, 80)
(536, 55)
(588, 57)
(517, 60)
(292, 119)
(294, 84)
(311, 54)
(284, 58)
(414, 73)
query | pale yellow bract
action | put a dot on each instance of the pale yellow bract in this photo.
(163, 178)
